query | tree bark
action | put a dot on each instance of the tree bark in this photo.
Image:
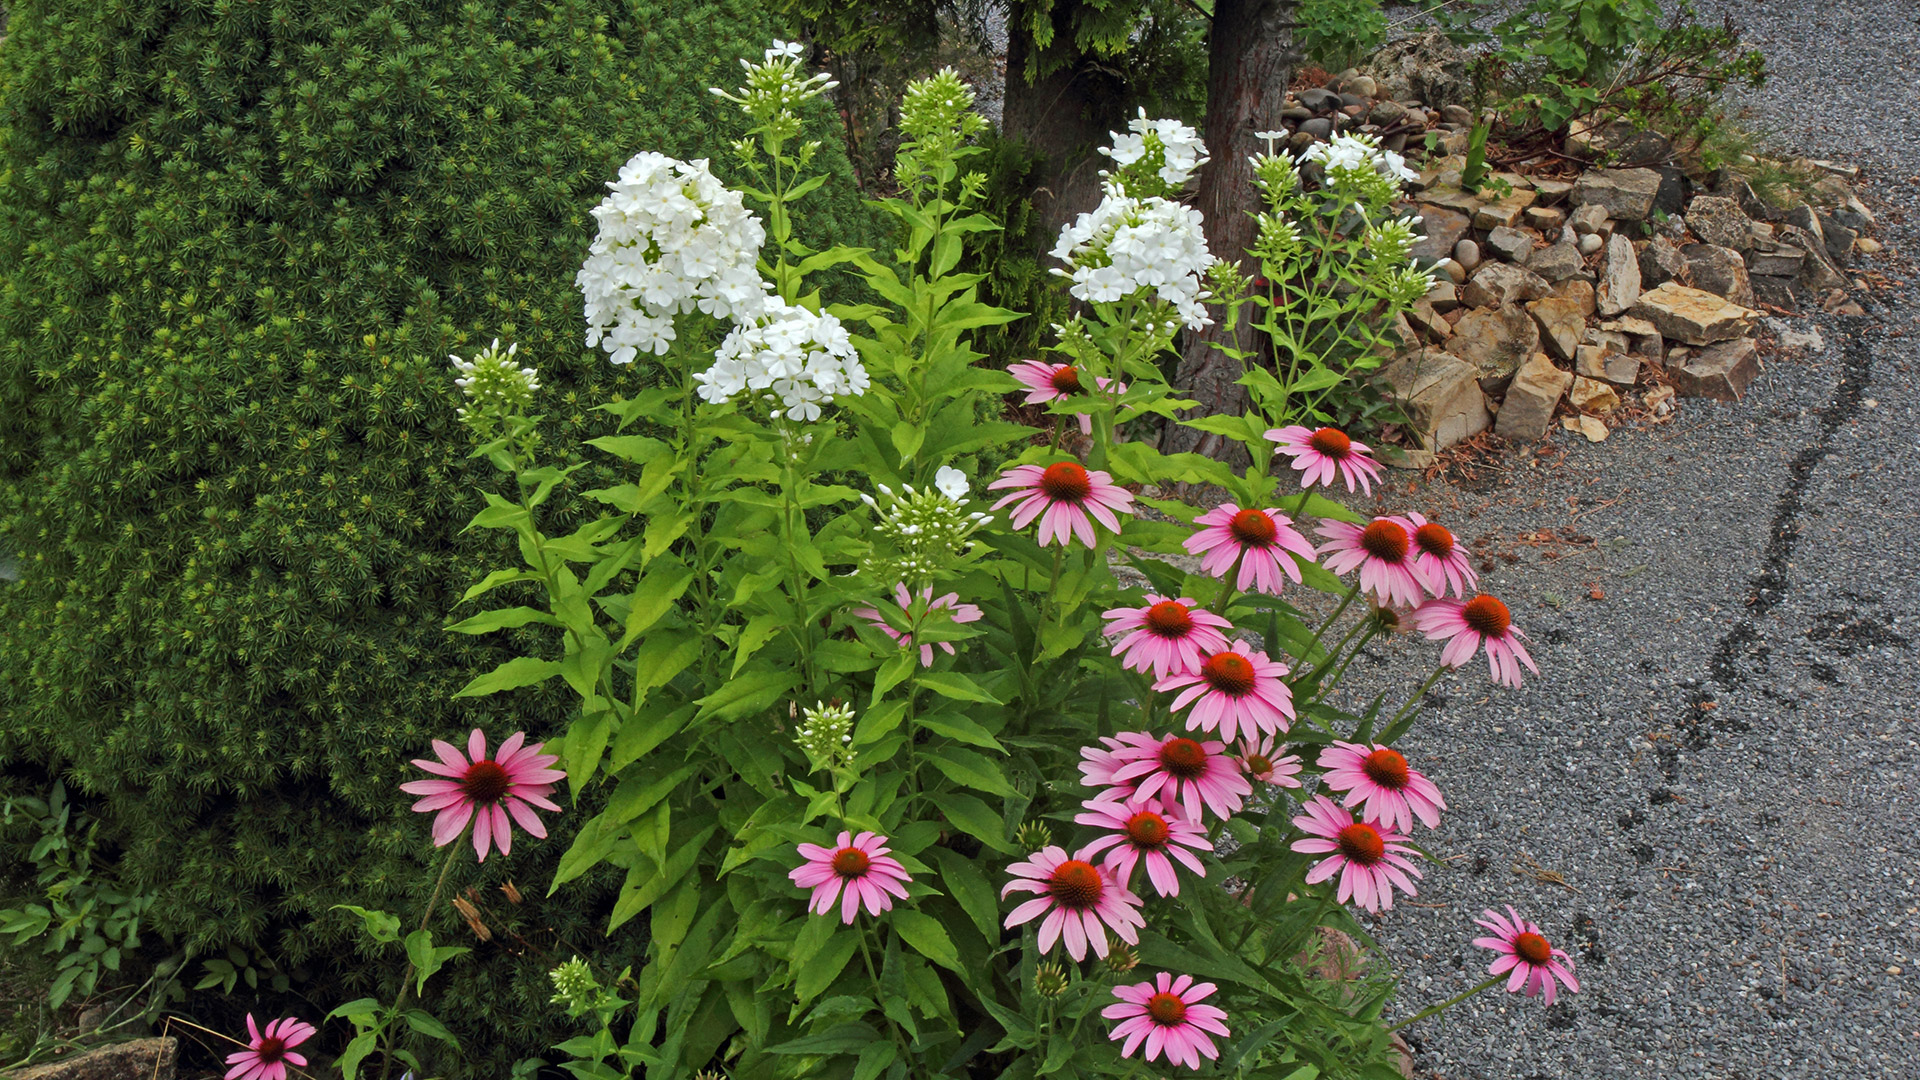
(1250, 58)
(1064, 114)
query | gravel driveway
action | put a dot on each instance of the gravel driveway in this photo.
(1708, 798)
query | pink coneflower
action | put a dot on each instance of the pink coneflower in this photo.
(269, 1052)
(1466, 625)
(486, 791)
(860, 865)
(1383, 550)
(1181, 771)
(962, 613)
(1377, 779)
(1262, 760)
(1534, 963)
(1048, 382)
(1371, 860)
(1166, 1015)
(1233, 689)
(1166, 636)
(1319, 455)
(1081, 901)
(1259, 540)
(1065, 497)
(1438, 561)
(1144, 830)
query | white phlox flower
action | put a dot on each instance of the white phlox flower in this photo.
(672, 240)
(1359, 152)
(1181, 149)
(1126, 245)
(951, 482)
(801, 359)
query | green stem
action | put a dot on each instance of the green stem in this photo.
(1445, 1005)
(1226, 587)
(1351, 593)
(1334, 679)
(794, 523)
(406, 981)
(1414, 701)
(873, 973)
(1334, 654)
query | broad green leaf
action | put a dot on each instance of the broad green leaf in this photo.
(927, 937)
(818, 971)
(425, 1024)
(746, 694)
(380, 925)
(957, 727)
(427, 958)
(954, 685)
(971, 770)
(962, 880)
(839, 1039)
(515, 673)
(975, 818)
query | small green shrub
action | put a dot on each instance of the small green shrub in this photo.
(240, 240)
(1335, 34)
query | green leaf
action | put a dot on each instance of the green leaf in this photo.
(426, 958)
(495, 580)
(969, 888)
(968, 769)
(975, 818)
(907, 437)
(874, 1060)
(927, 937)
(515, 673)
(839, 1039)
(657, 591)
(425, 1024)
(954, 685)
(502, 619)
(380, 925)
(746, 694)
(818, 971)
(356, 1052)
(636, 448)
(960, 728)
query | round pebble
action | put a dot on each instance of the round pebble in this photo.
(1590, 243)
(1467, 254)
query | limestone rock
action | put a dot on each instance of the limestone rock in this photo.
(1495, 342)
(141, 1059)
(1776, 260)
(1717, 220)
(1588, 219)
(1627, 324)
(1593, 395)
(1505, 212)
(1721, 372)
(1535, 392)
(1592, 427)
(1503, 283)
(1510, 244)
(1425, 67)
(1577, 290)
(1544, 218)
(1839, 239)
(1561, 322)
(1440, 395)
(1817, 272)
(1627, 194)
(1443, 297)
(1619, 277)
(1590, 243)
(1619, 140)
(1607, 365)
(1658, 400)
(1449, 196)
(1443, 229)
(1693, 316)
(1720, 271)
(1661, 262)
(1558, 262)
(1551, 192)
(1605, 339)
(1427, 322)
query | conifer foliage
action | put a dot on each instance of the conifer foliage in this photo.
(238, 240)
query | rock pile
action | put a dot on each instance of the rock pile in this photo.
(1584, 292)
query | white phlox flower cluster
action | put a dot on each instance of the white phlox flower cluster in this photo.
(800, 359)
(672, 240)
(775, 85)
(1126, 245)
(493, 382)
(1177, 149)
(919, 532)
(1359, 152)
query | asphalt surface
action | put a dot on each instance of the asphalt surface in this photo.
(1708, 796)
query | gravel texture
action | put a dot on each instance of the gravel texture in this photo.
(1707, 797)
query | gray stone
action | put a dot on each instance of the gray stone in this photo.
(1443, 297)
(1440, 395)
(1839, 240)
(1775, 292)
(1720, 271)
(1607, 365)
(1817, 272)
(1617, 140)
(1673, 191)
(1694, 316)
(1751, 204)
(1427, 323)
(1544, 218)
(1496, 343)
(1453, 114)
(1552, 192)
(1363, 85)
(1386, 113)
(1510, 244)
(1721, 372)
(1319, 128)
(1661, 262)
(1467, 254)
(1717, 220)
(1535, 392)
(1319, 100)
(1443, 229)
(1619, 277)
(1792, 337)
(1558, 262)
(141, 1059)
(1627, 194)
(1590, 243)
(1604, 339)
(1425, 67)
(1590, 218)
(1296, 113)
(1561, 322)
(1498, 283)
(1776, 260)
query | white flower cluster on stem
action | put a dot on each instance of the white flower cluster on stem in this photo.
(1359, 153)
(798, 358)
(1127, 245)
(1170, 148)
(672, 240)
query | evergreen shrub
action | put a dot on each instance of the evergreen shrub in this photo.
(238, 240)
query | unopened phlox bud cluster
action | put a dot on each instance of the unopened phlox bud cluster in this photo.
(826, 734)
(494, 384)
(920, 531)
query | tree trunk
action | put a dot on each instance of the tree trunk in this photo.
(1250, 60)
(1064, 114)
